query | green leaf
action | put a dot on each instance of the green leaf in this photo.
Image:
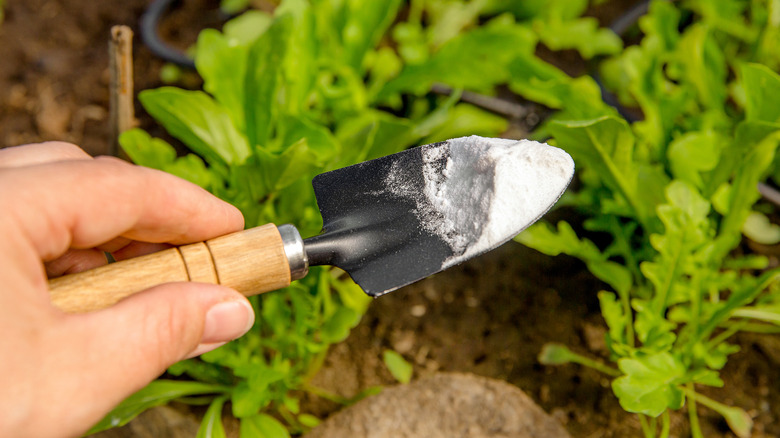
(366, 23)
(157, 393)
(233, 6)
(758, 142)
(263, 78)
(693, 153)
(262, 426)
(466, 120)
(582, 34)
(477, 60)
(398, 366)
(301, 56)
(761, 86)
(256, 391)
(158, 154)
(337, 327)
(211, 425)
(606, 147)
(374, 134)
(246, 28)
(649, 385)
(613, 314)
(557, 354)
(145, 150)
(759, 229)
(309, 420)
(222, 65)
(554, 354)
(702, 64)
(448, 19)
(196, 119)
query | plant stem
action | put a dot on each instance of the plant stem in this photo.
(648, 431)
(693, 416)
(592, 363)
(734, 328)
(753, 328)
(327, 395)
(738, 420)
(665, 425)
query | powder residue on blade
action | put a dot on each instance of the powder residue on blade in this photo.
(480, 192)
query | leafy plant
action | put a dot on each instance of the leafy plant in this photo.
(321, 84)
(674, 191)
(284, 99)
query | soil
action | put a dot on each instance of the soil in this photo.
(489, 317)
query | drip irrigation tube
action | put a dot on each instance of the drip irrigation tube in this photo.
(149, 23)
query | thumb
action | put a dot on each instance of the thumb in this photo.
(133, 342)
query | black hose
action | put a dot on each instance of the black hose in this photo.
(149, 22)
(620, 26)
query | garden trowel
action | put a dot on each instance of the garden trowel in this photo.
(387, 222)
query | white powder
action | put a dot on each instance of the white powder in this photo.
(480, 192)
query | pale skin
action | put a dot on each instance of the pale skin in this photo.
(60, 210)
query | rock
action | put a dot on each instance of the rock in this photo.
(447, 405)
(158, 422)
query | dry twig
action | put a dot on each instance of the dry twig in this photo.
(121, 88)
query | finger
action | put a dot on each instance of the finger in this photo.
(142, 336)
(123, 248)
(94, 201)
(39, 153)
(136, 249)
(78, 260)
(75, 260)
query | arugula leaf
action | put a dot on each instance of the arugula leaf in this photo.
(703, 65)
(559, 32)
(398, 366)
(605, 145)
(262, 426)
(211, 426)
(156, 393)
(694, 153)
(649, 384)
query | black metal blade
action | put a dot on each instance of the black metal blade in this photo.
(395, 220)
(372, 233)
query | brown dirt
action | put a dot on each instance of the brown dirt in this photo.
(489, 317)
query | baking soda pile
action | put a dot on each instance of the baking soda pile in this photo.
(480, 192)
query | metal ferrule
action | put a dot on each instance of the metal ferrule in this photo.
(295, 252)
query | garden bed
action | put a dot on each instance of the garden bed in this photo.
(490, 316)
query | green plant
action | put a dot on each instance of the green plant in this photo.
(285, 99)
(325, 83)
(674, 192)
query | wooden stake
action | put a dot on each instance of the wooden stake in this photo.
(121, 87)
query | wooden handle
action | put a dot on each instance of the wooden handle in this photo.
(252, 261)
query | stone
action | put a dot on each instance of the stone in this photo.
(444, 405)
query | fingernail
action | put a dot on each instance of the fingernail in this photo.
(204, 348)
(226, 321)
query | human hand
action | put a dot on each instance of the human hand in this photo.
(59, 210)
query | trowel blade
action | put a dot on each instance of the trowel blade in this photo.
(394, 220)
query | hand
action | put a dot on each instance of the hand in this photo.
(61, 373)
